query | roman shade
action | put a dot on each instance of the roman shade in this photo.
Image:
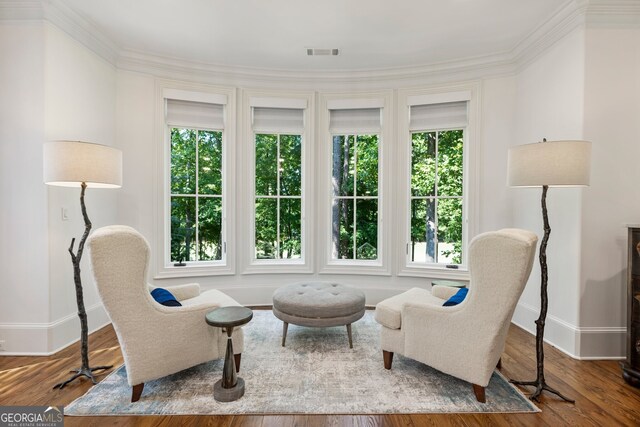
(193, 114)
(278, 120)
(355, 120)
(446, 115)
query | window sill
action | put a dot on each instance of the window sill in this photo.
(278, 267)
(169, 272)
(362, 268)
(434, 272)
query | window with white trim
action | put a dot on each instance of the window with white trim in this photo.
(278, 183)
(196, 183)
(355, 204)
(436, 204)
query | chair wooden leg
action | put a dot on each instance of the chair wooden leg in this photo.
(285, 326)
(499, 365)
(349, 333)
(387, 356)
(236, 359)
(479, 391)
(136, 392)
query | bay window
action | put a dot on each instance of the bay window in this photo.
(355, 187)
(437, 199)
(194, 184)
(354, 178)
(196, 195)
(276, 145)
(436, 196)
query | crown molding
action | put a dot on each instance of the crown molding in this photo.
(60, 15)
(80, 29)
(569, 16)
(613, 14)
(160, 66)
(566, 19)
(21, 10)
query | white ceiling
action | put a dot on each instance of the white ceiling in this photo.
(273, 34)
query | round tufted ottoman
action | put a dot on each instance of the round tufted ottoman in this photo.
(318, 305)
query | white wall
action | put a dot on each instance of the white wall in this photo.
(549, 104)
(498, 133)
(24, 305)
(586, 86)
(52, 88)
(80, 99)
(611, 122)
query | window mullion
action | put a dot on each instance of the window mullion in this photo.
(278, 197)
(197, 254)
(355, 204)
(410, 252)
(437, 195)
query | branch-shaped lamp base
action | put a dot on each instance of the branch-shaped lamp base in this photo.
(539, 383)
(85, 370)
(540, 387)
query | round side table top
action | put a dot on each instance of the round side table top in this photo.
(223, 317)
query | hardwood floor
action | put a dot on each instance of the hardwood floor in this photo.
(602, 397)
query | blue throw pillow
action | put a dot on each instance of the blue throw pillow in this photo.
(164, 297)
(457, 298)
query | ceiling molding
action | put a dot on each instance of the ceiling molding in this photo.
(61, 16)
(80, 29)
(571, 14)
(569, 17)
(21, 10)
(465, 69)
(613, 14)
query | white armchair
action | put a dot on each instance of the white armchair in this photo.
(466, 340)
(156, 340)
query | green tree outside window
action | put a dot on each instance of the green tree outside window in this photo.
(355, 197)
(278, 196)
(436, 196)
(196, 195)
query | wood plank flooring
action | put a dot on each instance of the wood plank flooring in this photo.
(602, 397)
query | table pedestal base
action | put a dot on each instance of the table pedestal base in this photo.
(230, 387)
(228, 394)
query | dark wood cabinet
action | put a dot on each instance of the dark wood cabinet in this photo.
(631, 367)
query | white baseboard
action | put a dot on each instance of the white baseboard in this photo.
(586, 343)
(602, 343)
(45, 339)
(582, 343)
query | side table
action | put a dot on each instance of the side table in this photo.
(230, 387)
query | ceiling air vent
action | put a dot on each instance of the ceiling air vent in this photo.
(322, 52)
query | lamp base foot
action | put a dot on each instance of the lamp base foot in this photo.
(82, 372)
(540, 387)
(222, 394)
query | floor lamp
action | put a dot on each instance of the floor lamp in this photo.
(82, 164)
(547, 164)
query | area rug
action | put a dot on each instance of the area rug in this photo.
(316, 373)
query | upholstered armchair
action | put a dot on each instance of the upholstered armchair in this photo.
(465, 340)
(156, 340)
